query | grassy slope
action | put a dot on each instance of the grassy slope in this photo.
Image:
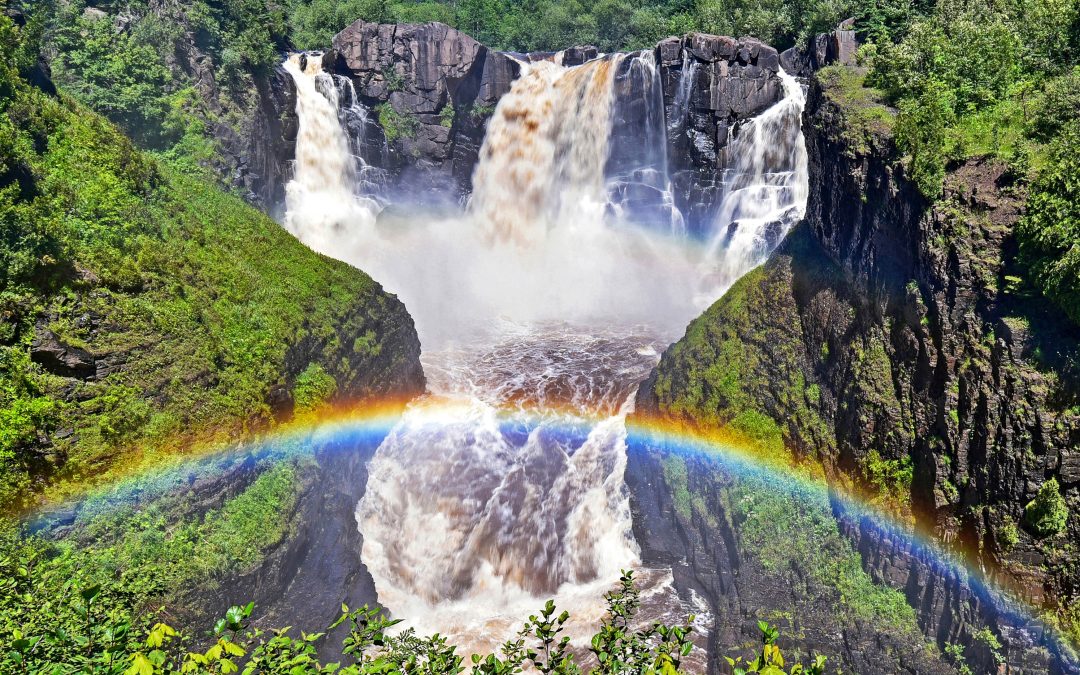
(197, 310)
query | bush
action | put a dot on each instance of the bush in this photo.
(313, 387)
(1047, 514)
(1049, 233)
(90, 627)
(396, 125)
(921, 129)
(1057, 106)
(313, 23)
(112, 73)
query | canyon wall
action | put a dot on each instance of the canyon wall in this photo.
(888, 335)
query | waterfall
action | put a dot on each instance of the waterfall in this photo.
(542, 160)
(322, 202)
(502, 514)
(766, 187)
(680, 107)
(638, 181)
(540, 308)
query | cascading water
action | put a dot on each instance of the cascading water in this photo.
(765, 188)
(539, 309)
(542, 161)
(322, 202)
(637, 174)
(681, 105)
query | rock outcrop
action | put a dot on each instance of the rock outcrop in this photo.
(705, 548)
(426, 91)
(434, 87)
(711, 84)
(888, 332)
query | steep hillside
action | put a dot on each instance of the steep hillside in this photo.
(889, 341)
(146, 313)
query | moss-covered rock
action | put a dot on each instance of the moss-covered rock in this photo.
(145, 312)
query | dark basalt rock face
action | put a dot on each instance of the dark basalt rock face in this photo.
(710, 85)
(824, 49)
(901, 318)
(437, 87)
(441, 85)
(706, 556)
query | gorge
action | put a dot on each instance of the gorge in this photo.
(696, 309)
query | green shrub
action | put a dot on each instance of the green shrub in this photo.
(1049, 232)
(183, 280)
(313, 23)
(90, 627)
(920, 132)
(1008, 535)
(446, 115)
(313, 387)
(1057, 106)
(396, 125)
(1047, 514)
(890, 477)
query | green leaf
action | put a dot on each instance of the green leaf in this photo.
(88, 594)
(140, 665)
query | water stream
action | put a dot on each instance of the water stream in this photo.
(540, 307)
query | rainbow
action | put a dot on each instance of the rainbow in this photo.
(345, 427)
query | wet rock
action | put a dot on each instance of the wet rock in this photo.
(448, 84)
(729, 81)
(59, 358)
(575, 56)
(436, 74)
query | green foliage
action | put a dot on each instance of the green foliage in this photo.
(89, 628)
(313, 23)
(131, 63)
(111, 72)
(147, 265)
(955, 652)
(1008, 534)
(396, 125)
(1047, 514)
(953, 106)
(313, 387)
(866, 118)
(540, 25)
(1049, 233)
(778, 22)
(792, 532)
(920, 132)
(889, 477)
(771, 660)
(676, 477)
(446, 115)
(987, 637)
(1058, 105)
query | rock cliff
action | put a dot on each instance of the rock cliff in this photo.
(426, 91)
(888, 340)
